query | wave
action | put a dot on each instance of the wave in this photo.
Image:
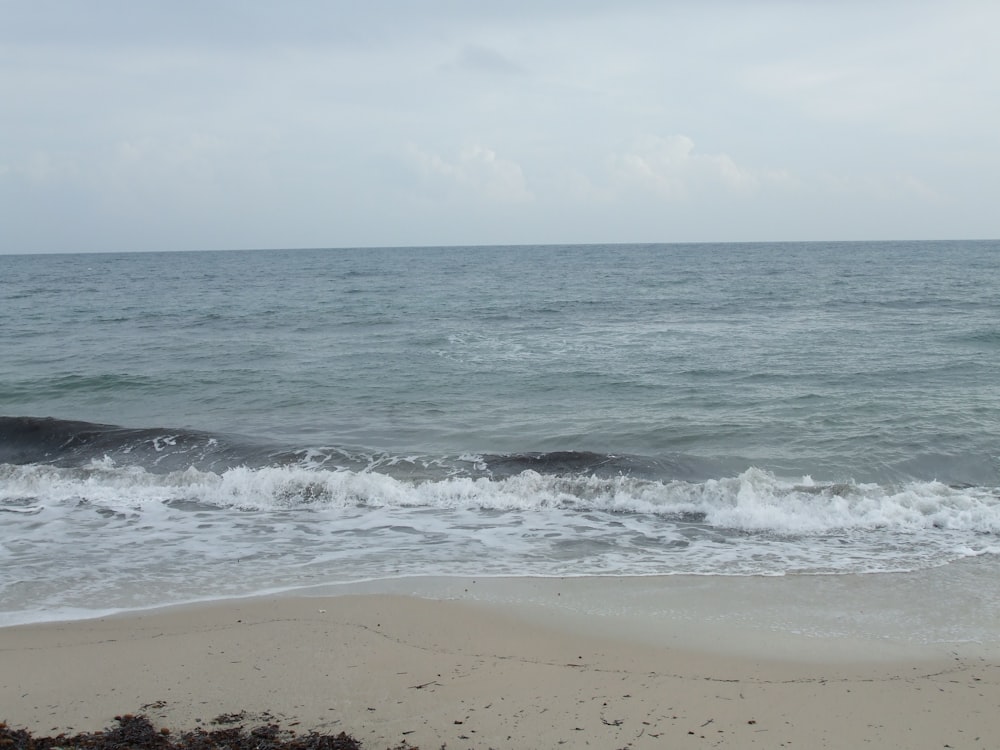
(123, 534)
(68, 443)
(58, 442)
(76, 444)
(588, 463)
(753, 501)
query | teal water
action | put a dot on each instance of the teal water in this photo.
(327, 415)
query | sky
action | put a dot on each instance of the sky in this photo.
(134, 125)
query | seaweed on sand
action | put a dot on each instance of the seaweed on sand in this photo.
(137, 733)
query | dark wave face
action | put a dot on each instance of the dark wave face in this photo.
(67, 443)
(72, 443)
(587, 463)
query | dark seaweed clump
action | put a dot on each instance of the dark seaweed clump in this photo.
(137, 733)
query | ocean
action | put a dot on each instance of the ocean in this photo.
(198, 425)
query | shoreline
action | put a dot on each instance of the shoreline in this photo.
(812, 617)
(488, 672)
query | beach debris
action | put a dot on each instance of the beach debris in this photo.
(232, 718)
(422, 685)
(136, 732)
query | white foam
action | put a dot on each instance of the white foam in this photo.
(121, 537)
(755, 500)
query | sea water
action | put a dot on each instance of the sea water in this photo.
(184, 426)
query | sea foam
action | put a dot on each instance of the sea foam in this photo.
(755, 500)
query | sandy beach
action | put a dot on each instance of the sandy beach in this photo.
(387, 668)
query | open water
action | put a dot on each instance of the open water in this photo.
(183, 426)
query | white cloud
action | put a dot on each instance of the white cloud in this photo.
(672, 169)
(477, 170)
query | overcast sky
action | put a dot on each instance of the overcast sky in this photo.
(172, 125)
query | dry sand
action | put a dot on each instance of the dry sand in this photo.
(388, 668)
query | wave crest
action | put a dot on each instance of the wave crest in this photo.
(753, 501)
